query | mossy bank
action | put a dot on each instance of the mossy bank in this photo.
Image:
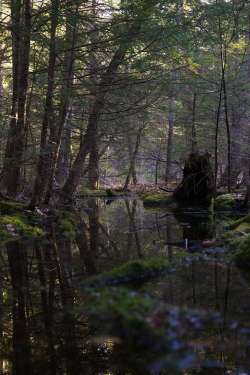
(238, 241)
(18, 222)
(159, 200)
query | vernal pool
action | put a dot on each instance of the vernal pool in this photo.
(129, 295)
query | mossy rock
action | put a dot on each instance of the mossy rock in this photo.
(225, 202)
(160, 199)
(134, 271)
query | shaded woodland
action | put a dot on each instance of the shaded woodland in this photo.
(124, 187)
(106, 94)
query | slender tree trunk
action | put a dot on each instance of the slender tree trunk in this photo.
(55, 137)
(92, 128)
(133, 158)
(247, 162)
(27, 126)
(218, 113)
(41, 174)
(223, 60)
(93, 168)
(21, 29)
(193, 136)
(93, 165)
(228, 135)
(171, 122)
(8, 170)
(63, 162)
(130, 154)
(133, 175)
(156, 171)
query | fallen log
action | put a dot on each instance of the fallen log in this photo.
(167, 190)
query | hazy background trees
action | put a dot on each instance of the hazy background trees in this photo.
(119, 92)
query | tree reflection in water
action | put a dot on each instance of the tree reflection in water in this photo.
(42, 327)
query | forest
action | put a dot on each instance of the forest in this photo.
(124, 187)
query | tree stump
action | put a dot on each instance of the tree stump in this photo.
(197, 186)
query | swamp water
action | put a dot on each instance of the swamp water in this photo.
(193, 319)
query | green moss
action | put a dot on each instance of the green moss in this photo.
(160, 199)
(225, 202)
(85, 192)
(149, 332)
(102, 193)
(17, 221)
(9, 207)
(243, 222)
(242, 254)
(238, 241)
(116, 193)
(13, 226)
(137, 270)
(125, 315)
(122, 301)
(67, 224)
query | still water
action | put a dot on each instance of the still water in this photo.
(43, 328)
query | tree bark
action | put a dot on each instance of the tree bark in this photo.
(95, 113)
(55, 137)
(223, 61)
(171, 122)
(218, 113)
(194, 137)
(41, 174)
(93, 168)
(133, 160)
(21, 30)
(64, 157)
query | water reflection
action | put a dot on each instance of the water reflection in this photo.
(42, 328)
(213, 286)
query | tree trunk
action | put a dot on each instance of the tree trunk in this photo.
(21, 29)
(194, 137)
(197, 186)
(218, 114)
(41, 174)
(63, 162)
(55, 138)
(93, 168)
(171, 122)
(95, 113)
(133, 159)
(223, 61)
